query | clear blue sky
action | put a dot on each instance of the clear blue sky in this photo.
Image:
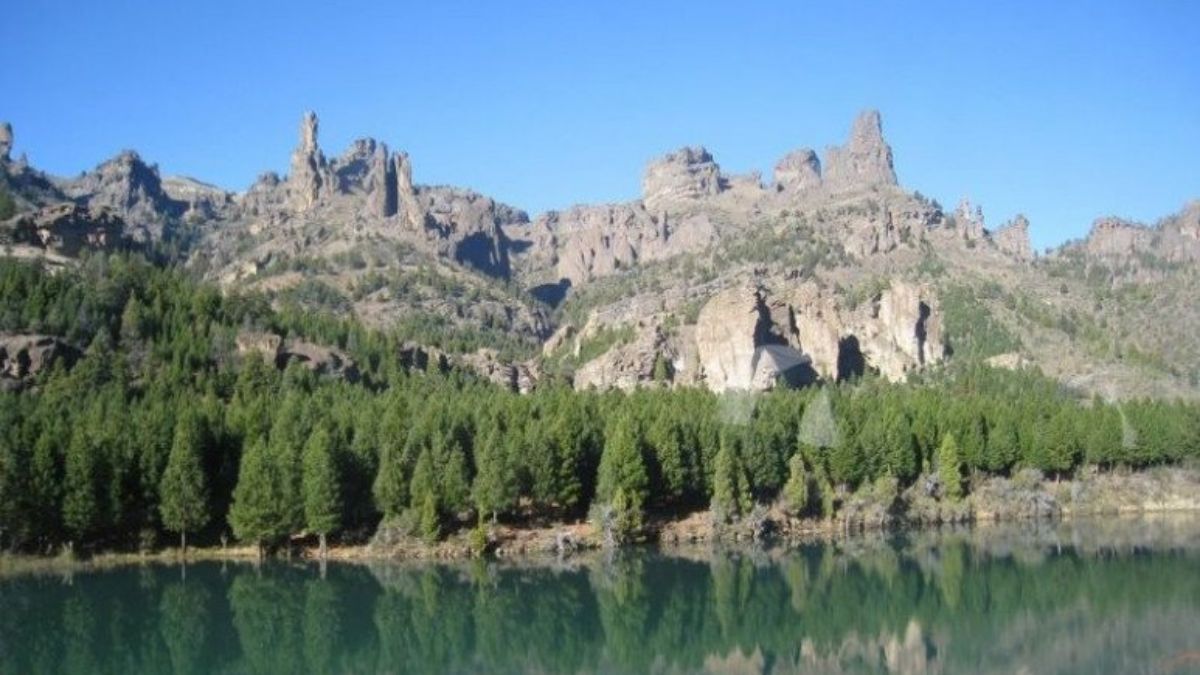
(1061, 110)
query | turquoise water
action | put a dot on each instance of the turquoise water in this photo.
(1101, 598)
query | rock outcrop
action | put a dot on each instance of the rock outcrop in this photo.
(366, 170)
(6, 141)
(268, 195)
(798, 171)
(202, 200)
(24, 356)
(1013, 239)
(683, 176)
(1175, 239)
(626, 366)
(309, 174)
(68, 228)
(586, 242)
(968, 218)
(406, 193)
(866, 159)
(736, 346)
(322, 360)
(747, 338)
(132, 189)
(469, 226)
(515, 377)
(895, 332)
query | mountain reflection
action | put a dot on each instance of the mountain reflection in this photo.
(1115, 596)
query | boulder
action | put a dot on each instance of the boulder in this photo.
(864, 161)
(679, 177)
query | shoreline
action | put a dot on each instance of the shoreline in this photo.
(1017, 501)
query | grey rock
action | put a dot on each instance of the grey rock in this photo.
(68, 228)
(969, 220)
(798, 171)
(365, 170)
(866, 159)
(6, 140)
(24, 356)
(1013, 239)
(132, 189)
(309, 176)
(685, 175)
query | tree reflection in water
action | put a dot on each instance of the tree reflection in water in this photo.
(1100, 598)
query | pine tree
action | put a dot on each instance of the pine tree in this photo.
(259, 512)
(949, 468)
(1003, 448)
(795, 490)
(622, 465)
(183, 490)
(731, 496)
(322, 489)
(494, 490)
(623, 483)
(81, 487)
(431, 521)
(390, 488)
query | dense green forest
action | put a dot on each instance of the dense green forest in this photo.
(162, 428)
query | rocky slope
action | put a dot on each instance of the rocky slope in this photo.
(829, 270)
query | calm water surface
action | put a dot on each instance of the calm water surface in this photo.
(1100, 597)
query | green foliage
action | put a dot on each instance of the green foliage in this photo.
(162, 397)
(602, 341)
(261, 512)
(322, 489)
(970, 327)
(949, 468)
(8, 207)
(431, 518)
(184, 487)
(795, 490)
(731, 497)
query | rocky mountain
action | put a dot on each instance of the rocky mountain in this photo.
(829, 271)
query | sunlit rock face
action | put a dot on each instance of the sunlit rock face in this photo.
(864, 161)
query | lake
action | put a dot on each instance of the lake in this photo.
(1111, 596)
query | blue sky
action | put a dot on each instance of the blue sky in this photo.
(1062, 110)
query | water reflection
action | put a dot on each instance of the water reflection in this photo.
(1105, 596)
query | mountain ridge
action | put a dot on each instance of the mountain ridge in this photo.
(354, 232)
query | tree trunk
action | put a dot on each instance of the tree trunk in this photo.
(324, 548)
(183, 543)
